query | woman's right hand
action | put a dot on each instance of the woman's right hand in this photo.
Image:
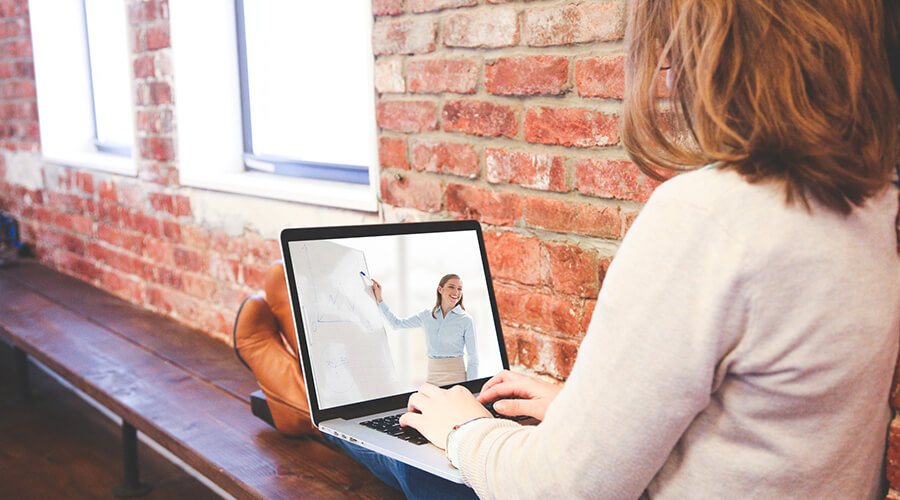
(534, 396)
(376, 289)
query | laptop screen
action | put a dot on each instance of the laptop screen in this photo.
(362, 350)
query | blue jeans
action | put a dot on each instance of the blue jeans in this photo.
(413, 482)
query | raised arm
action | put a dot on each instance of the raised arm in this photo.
(414, 321)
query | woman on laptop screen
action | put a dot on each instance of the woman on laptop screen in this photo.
(448, 331)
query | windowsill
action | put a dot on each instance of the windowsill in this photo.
(95, 161)
(311, 191)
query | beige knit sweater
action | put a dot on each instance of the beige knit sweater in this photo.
(740, 349)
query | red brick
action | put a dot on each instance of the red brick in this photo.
(582, 218)
(403, 36)
(123, 285)
(403, 191)
(387, 7)
(601, 77)
(442, 75)
(199, 286)
(419, 6)
(619, 179)
(160, 93)
(22, 69)
(162, 202)
(445, 157)
(172, 231)
(480, 118)
(392, 153)
(197, 237)
(142, 12)
(155, 121)
(498, 28)
(893, 454)
(490, 207)
(77, 265)
(123, 261)
(573, 270)
(514, 257)
(79, 223)
(85, 182)
(526, 75)
(144, 66)
(157, 37)
(157, 148)
(163, 174)
(66, 202)
(547, 355)
(254, 275)
(191, 260)
(107, 191)
(145, 224)
(511, 337)
(182, 206)
(587, 315)
(577, 127)
(526, 308)
(389, 76)
(159, 251)
(573, 23)
(407, 116)
(532, 170)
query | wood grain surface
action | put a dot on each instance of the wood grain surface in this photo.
(179, 387)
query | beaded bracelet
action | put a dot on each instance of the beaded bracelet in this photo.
(450, 434)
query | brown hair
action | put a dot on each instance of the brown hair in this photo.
(797, 92)
(437, 303)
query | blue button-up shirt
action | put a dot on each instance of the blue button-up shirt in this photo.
(445, 337)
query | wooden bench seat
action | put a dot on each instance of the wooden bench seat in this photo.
(179, 387)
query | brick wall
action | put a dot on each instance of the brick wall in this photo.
(18, 106)
(500, 110)
(507, 112)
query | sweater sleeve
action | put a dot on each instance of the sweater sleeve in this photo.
(671, 306)
(414, 321)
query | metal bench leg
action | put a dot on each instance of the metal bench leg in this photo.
(132, 487)
(23, 385)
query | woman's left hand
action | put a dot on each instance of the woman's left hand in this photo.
(434, 411)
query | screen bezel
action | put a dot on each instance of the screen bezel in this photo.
(338, 232)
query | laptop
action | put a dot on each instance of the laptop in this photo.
(359, 370)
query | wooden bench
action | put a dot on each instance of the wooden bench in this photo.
(179, 387)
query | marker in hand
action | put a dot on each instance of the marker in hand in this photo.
(376, 288)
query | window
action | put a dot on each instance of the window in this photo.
(300, 88)
(304, 130)
(108, 53)
(83, 79)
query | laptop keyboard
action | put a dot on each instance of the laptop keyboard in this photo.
(391, 425)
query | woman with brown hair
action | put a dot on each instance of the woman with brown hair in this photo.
(745, 338)
(449, 332)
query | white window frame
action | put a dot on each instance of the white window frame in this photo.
(208, 110)
(63, 84)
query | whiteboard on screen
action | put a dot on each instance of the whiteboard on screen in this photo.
(348, 348)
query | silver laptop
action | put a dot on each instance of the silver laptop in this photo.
(359, 370)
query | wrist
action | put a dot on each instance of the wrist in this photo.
(455, 435)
